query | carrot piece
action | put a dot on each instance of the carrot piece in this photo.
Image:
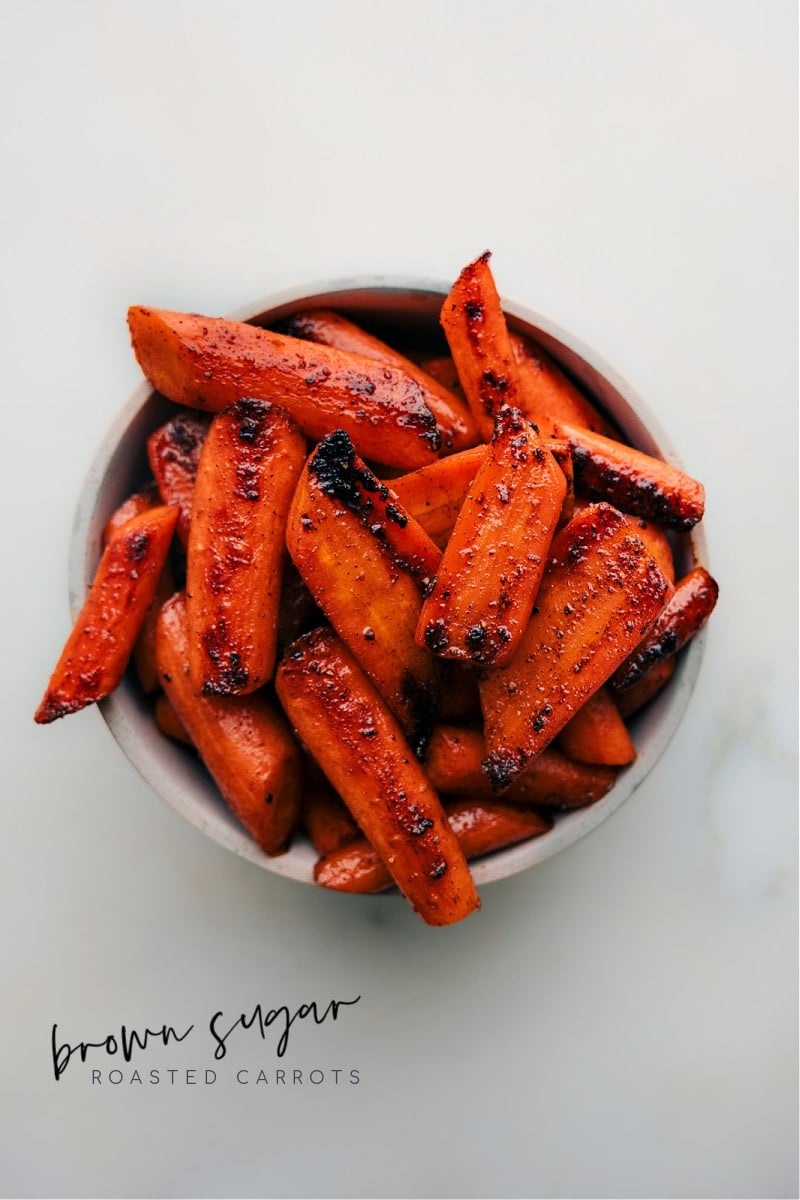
(433, 495)
(654, 537)
(689, 607)
(597, 733)
(210, 363)
(138, 502)
(494, 561)
(641, 693)
(327, 819)
(599, 595)
(251, 459)
(480, 827)
(97, 651)
(173, 452)
(169, 722)
(454, 763)
(547, 396)
(475, 327)
(453, 418)
(353, 736)
(244, 741)
(633, 481)
(363, 586)
(444, 371)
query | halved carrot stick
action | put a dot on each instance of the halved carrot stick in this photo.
(453, 418)
(210, 363)
(547, 396)
(641, 693)
(244, 741)
(138, 502)
(689, 607)
(364, 588)
(433, 495)
(597, 733)
(251, 460)
(173, 452)
(326, 818)
(475, 327)
(97, 651)
(494, 561)
(633, 481)
(454, 764)
(600, 594)
(654, 537)
(480, 826)
(352, 735)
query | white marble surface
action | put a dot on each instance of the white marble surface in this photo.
(621, 1021)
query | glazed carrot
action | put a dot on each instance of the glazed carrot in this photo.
(455, 764)
(433, 495)
(244, 741)
(600, 594)
(353, 736)
(475, 328)
(597, 733)
(654, 537)
(364, 588)
(641, 693)
(690, 606)
(453, 418)
(94, 659)
(169, 722)
(494, 561)
(547, 396)
(633, 481)
(173, 452)
(210, 363)
(326, 818)
(138, 502)
(251, 459)
(480, 827)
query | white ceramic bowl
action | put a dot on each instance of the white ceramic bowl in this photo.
(397, 309)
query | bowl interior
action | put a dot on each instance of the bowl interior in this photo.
(406, 314)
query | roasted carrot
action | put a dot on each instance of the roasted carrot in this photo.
(454, 764)
(597, 733)
(169, 722)
(433, 495)
(480, 826)
(641, 693)
(353, 736)
(132, 506)
(453, 418)
(244, 741)
(494, 561)
(599, 595)
(251, 460)
(633, 481)
(475, 327)
(689, 607)
(94, 659)
(209, 363)
(326, 818)
(173, 452)
(654, 537)
(547, 396)
(363, 586)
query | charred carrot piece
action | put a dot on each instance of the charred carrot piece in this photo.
(361, 582)
(453, 418)
(433, 495)
(132, 506)
(598, 598)
(494, 561)
(209, 363)
(480, 827)
(353, 736)
(641, 693)
(173, 452)
(475, 327)
(454, 764)
(244, 741)
(168, 721)
(689, 607)
(547, 396)
(251, 460)
(597, 733)
(654, 537)
(94, 659)
(633, 481)
(326, 819)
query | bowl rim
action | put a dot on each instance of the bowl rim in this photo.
(172, 778)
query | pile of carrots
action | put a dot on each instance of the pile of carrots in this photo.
(408, 605)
